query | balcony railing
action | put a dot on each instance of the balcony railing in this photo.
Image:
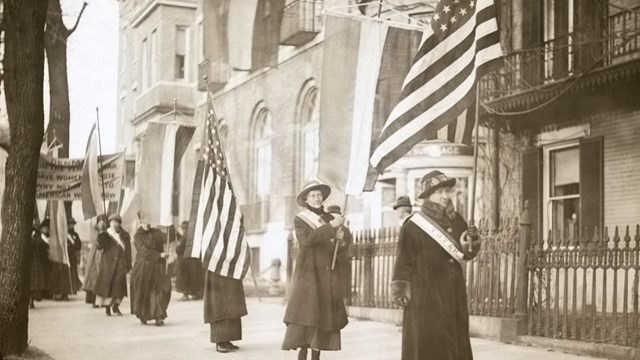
(217, 74)
(301, 22)
(566, 56)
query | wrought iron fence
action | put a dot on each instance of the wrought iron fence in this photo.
(491, 275)
(585, 287)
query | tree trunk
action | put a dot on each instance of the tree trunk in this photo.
(56, 45)
(23, 22)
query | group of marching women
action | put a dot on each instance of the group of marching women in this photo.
(51, 279)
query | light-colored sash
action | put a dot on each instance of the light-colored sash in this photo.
(443, 238)
(70, 238)
(44, 238)
(116, 237)
(312, 219)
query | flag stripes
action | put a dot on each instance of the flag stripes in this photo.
(461, 45)
(218, 235)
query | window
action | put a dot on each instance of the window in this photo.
(181, 53)
(154, 57)
(145, 63)
(562, 190)
(310, 113)
(262, 154)
(200, 42)
(558, 26)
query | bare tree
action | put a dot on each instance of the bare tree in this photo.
(56, 36)
(23, 23)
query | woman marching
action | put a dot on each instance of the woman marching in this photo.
(316, 312)
(111, 285)
(93, 262)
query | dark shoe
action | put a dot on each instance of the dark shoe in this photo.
(107, 310)
(143, 322)
(230, 346)
(95, 306)
(302, 355)
(159, 322)
(315, 354)
(222, 348)
(116, 310)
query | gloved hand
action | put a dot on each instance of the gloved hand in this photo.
(400, 292)
(472, 232)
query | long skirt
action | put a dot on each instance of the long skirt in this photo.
(60, 279)
(150, 290)
(299, 336)
(38, 283)
(226, 330)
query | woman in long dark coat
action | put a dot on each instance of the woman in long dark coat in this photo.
(428, 280)
(111, 285)
(150, 285)
(74, 245)
(316, 311)
(189, 272)
(39, 260)
(224, 306)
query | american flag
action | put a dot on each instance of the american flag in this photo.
(218, 235)
(461, 45)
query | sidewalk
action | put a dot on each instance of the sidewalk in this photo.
(73, 330)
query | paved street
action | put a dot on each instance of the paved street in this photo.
(73, 330)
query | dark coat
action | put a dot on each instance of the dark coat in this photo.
(39, 263)
(317, 291)
(223, 298)
(114, 265)
(74, 251)
(436, 320)
(150, 285)
(189, 274)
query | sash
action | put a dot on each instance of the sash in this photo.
(70, 238)
(312, 219)
(116, 237)
(443, 238)
(44, 238)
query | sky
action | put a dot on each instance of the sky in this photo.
(92, 61)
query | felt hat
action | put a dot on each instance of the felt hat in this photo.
(334, 209)
(402, 201)
(102, 217)
(312, 185)
(115, 217)
(434, 180)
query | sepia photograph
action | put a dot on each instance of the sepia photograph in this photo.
(319, 179)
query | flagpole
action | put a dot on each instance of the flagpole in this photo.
(101, 170)
(335, 248)
(475, 161)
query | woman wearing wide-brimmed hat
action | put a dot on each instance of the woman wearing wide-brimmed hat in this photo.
(316, 312)
(74, 246)
(111, 285)
(428, 279)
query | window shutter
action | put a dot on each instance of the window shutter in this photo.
(591, 183)
(532, 185)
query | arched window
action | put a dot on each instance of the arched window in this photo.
(262, 153)
(309, 121)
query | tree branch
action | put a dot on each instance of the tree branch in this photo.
(75, 26)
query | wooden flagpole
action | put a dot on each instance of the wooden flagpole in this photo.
(335, 248)
(100, 170)
(475, 162)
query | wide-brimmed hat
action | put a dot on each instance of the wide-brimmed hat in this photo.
(115, 217)
(334, 209)
(402, 201)
(312, 185)
(433, 181)
(71, 221)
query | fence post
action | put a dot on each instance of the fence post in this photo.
(521, 270)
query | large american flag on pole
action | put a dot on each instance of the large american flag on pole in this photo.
(460, 46)
(218, 235)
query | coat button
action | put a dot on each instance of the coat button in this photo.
(451, 261)
(327, 268)
(449, 230)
